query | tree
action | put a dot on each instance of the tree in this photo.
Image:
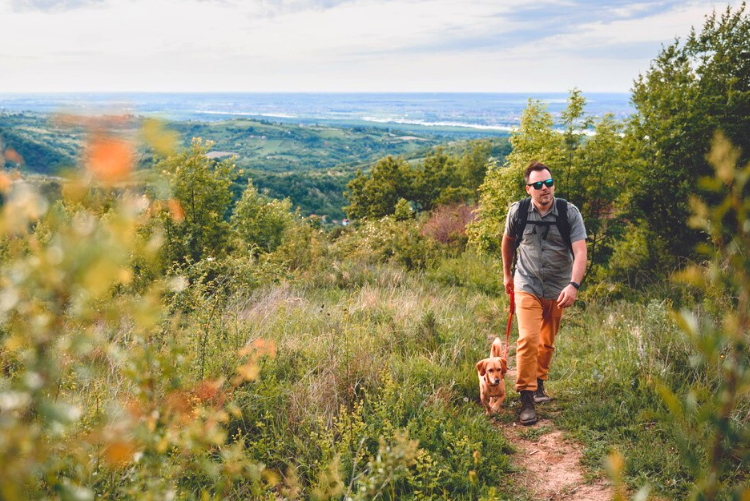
(440, 178)
(198, 188)
(260, 223)
(691, 90)
(432, 177)
(376, 195)
(535, 139)
(575, 125)
(472, 166)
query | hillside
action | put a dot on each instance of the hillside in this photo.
(307, 163)
(276, 147)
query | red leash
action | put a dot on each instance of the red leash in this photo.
(510, 323)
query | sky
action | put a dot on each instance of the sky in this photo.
(337, 45)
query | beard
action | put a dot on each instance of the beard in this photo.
(544, 199)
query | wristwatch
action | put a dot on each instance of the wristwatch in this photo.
(575, 284)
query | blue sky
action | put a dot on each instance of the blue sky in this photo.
(337, 45)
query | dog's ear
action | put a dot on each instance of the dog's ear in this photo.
(482, 367)
(504, 365)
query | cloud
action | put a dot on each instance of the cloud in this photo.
(578, 27)
(51, 5)
(482, 45)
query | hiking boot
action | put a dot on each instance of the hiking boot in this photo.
(527, 416)
(540, 396)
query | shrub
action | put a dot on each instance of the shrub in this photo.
(447, 224)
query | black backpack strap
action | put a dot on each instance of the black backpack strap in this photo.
(521, 216)
(563, 225)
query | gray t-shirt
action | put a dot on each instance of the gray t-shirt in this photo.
(544, 262)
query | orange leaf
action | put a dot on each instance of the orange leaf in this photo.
(12, 155)
(207, 390)
(119, 453)
(175, 209)
(5, 182)
(109, 159)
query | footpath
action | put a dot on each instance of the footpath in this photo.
(548, 465)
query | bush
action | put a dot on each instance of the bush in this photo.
(447, 224)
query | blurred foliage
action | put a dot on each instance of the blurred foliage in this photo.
(92, 401)
(714, 414)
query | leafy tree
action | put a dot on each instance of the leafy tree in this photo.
(472, 166)
(259, 222)
(197, 225)
(597, 189)
(435, 174)
(440, 178)
(320, 193)
(535, 139)
(376, 195)
(691, 89)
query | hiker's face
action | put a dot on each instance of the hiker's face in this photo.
(542, 197)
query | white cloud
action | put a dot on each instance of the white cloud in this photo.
(335, 45)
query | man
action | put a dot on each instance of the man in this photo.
(547, 279)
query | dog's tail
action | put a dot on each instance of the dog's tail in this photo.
(496, 350)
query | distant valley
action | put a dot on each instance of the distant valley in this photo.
(308, 163)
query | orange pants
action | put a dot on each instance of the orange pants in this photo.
(538, 323)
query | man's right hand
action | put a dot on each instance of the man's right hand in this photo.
(508, 284)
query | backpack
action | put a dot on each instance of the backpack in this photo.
(563, 225)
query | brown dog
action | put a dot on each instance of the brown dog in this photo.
(491, 383)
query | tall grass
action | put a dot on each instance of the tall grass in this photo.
(366, 368)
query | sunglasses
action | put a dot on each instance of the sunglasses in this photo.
(549, 183)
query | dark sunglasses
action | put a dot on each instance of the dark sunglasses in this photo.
(549, 183)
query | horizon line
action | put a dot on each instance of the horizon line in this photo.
(27, 92)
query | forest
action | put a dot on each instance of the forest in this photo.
(170, 330)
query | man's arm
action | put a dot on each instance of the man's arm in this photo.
(508, 248)
(568, 295)
(580, 256)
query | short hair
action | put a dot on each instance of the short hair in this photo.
(535, 165)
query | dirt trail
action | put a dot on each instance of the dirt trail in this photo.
(550, 465)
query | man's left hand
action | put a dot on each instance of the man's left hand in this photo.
(567, 297)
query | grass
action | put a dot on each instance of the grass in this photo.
(535, 433)
(359, 365)
(368, 352)
(391, 350)
(351, 377)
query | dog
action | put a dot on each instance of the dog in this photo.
(491, 372)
